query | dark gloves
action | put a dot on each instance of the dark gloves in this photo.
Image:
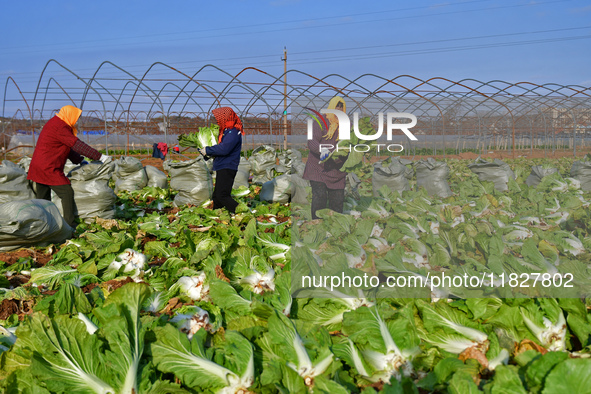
(203, 153)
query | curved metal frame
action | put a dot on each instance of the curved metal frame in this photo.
(475, 107)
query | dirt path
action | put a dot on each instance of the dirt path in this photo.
(537, 154)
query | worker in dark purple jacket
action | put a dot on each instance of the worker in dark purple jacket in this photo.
(226, 157)
(326, 179)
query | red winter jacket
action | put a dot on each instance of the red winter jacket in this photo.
(55, 145)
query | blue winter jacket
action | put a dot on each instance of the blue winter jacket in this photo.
(226, 154)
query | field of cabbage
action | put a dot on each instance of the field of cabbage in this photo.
(195, 300)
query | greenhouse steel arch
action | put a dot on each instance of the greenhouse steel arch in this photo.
(545, 116)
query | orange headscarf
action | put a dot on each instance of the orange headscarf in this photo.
(227, 119)
(70, 115)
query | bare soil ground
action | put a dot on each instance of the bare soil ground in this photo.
(152, 161)
(40, 259)
(536, 154)
(527, 153)
(502, 155)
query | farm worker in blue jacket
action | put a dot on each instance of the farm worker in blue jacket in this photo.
(226, 157)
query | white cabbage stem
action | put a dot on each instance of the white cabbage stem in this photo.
(194, 286)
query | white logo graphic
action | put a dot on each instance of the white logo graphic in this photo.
(345, 125)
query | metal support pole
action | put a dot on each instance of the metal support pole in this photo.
(106, 137)
(284, 98)
(127, 145)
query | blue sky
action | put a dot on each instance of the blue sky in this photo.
(523, 40)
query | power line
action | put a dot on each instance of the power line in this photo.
(285, 29)
(439, 50)
(364, 56)
(447, 40)
(357, 14)
(232, 66)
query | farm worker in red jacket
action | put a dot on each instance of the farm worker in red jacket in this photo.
(57, 143)
(226, 156)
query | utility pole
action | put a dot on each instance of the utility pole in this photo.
(284, 98)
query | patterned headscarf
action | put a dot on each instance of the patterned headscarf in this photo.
(70, 115)
(227, 119)
(334, 122)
